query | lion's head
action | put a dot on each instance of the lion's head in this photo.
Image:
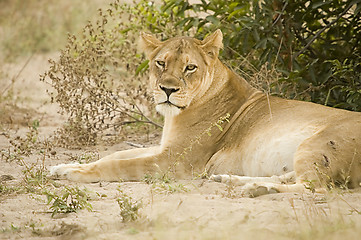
(181, 69)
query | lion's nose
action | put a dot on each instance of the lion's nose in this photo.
(169, 91)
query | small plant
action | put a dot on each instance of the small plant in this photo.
(25, 146)
(70, 199)
(22, 146)
(86, 157)
(311, 185)
(170, 187)
(20, 149)
(34, 178)
(128, 207)
(30, 145)
(230, 189)
(7, 189)
(157, 177)
(163, 183)
(202, 175)
(218, 124)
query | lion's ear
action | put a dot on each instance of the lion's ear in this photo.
(213, 43)
(148, 43)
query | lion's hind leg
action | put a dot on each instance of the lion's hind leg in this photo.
(258, 189)
(243, 180)
(257, 186)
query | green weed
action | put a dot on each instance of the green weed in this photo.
(86, 157)
(164, 183)
(4, 189)
(34, 178)
(129, 209)
(34, 174)
(22, 146)
(68, 200)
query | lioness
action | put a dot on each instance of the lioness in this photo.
(265, 142)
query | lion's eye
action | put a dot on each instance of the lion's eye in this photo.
(191, 68)
(160, 64)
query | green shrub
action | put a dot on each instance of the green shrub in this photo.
(314, 44)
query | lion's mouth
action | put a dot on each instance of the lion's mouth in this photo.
(171, 104)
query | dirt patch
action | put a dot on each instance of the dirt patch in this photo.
(13, 115)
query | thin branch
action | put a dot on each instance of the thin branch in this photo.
(126, 110)
(322, 30)
(313, 52)
(17, 75)
(143, 115)
(137, 145)
(279, 15)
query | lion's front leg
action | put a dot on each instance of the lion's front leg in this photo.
(124, 165)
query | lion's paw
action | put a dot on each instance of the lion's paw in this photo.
(232, 179)
(228, 179)
(217, 178)
(258, 189)
(73, 172)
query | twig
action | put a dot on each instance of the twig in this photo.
(147, 118)
(17, 75)
(353, 208)
(322, 30)
(126, 111)
(135, 144)
(132, 122)
(279, 15)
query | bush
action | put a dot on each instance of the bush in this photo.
(99, 80)
(314, 44)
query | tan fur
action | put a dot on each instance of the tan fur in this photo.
(268, 141)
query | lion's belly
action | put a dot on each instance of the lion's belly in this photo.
(265, 153)
(272, 153)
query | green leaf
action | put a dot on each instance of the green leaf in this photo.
(319, 4)
(358, 9)
(182, 22)
(189, 25)
(239, 11)
(213, 20)
(219, 127)
(142, 67)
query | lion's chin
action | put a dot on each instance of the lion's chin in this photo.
(168, 110)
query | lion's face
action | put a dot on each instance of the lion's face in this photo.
(181, 71)
(177, 74)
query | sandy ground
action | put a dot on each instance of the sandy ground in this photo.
(198, 209)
